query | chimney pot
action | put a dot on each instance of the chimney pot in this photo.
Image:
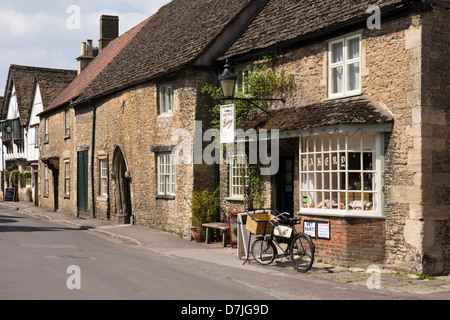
(90, 48)
(83, 48)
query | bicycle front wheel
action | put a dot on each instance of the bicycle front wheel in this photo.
(263, 251)
(301, 250)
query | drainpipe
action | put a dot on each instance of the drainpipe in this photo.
(94, 118)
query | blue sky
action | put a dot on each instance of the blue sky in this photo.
(37, 33)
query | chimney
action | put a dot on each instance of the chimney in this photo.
(109, 30)
(86, 56)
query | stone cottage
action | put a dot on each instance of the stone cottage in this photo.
(130, 102)
(364, 135)
(28, 90)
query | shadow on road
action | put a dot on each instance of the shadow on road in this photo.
(5, 226)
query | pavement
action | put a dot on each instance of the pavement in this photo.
(170, 244)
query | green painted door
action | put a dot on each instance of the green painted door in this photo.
(82, 189)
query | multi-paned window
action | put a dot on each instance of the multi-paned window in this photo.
(344, 66)
(103, 177)
(165, 173)
(165, 99)
(243, 73)
(340, 173)
(66, 178)
(238, 170)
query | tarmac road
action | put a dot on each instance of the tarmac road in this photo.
(142, 263)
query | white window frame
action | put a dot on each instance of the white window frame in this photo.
(165, 177)
(36, 136)
(46, 130)
(103, 167)
(46, 185)
(237, 180)
(66, 178)
(67, 123)
(325, 175)
(243, 72)
(345, 63)
(166, 97)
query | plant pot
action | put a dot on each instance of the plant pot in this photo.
(197, 235)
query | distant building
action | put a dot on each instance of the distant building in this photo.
(28, 90)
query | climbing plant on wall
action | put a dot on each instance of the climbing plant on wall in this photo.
(263, 82)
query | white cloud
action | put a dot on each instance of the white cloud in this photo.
(18, 24)
(35, 33)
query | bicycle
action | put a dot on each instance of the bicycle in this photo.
(300, 248)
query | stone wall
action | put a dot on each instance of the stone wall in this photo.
(59, 147)
(403, 69)
(435, 140)
(129, 121)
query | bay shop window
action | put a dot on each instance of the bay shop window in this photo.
(341, 173)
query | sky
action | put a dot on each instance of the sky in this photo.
(48, 33)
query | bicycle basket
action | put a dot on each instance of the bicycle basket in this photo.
(259, 224)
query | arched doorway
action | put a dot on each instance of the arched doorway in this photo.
(122, 190)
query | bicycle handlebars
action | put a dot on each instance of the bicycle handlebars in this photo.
(284, 218)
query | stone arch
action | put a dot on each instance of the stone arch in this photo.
(122, 186)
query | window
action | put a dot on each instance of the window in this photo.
(67, 123)
(166, 99)
(46, 181)
(36, 136)
(243, 73)
(238, 175)
(103, 177)
(46, 124)
(340, 173)
(66, 178)
(344, 66)
(165, 174)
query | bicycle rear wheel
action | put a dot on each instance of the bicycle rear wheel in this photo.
(301, 250)
(263, 251)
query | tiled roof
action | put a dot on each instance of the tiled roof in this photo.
(355, 110)
(51, 83)
(93, 70)
(171, 39)
(287, 20)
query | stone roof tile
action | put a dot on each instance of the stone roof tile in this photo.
(287, 20)
(172, 38)
(359, 110)
(24, 78)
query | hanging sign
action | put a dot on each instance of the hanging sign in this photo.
(227, 123)
(8, 128)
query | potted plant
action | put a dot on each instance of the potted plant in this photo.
(204, 208)
(30, 194)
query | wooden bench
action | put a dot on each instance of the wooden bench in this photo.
(223, 227)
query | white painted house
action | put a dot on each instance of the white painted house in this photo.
(28, 89)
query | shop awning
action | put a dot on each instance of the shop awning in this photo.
(324, 117)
